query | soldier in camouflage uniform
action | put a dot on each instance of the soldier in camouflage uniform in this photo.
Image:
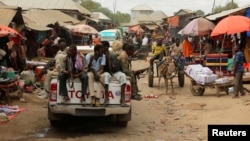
(127, 51)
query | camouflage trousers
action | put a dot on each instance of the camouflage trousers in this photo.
(133, 81)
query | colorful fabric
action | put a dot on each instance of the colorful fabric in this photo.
(187, 48)
(79, 64)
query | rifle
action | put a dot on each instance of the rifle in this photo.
(139, 72)
(71, 74)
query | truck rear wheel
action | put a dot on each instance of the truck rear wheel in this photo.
(53, 118)
(122, 120)
(122, 123)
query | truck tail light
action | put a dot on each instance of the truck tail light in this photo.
(53, 92)
(128, 93)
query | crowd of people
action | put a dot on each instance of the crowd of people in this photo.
(95, 67)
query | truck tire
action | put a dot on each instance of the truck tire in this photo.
(122, 123)
(150, 78)
(122, 120)
(53, 118)
(181, 78)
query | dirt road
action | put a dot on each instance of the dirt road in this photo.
(153, 119)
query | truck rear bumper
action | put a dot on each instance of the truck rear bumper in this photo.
(79, 110)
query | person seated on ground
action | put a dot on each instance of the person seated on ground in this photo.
(73, 66)
(52, 73)
(128, 50)
(113, 69)
(158, 51)
(96, 62)
(177, 54)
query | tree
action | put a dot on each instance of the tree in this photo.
(97, 7)
(228, 6)
(200, 12)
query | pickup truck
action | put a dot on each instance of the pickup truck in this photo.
(57, 109)
(109, 35)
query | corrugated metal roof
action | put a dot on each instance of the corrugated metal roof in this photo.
(6, 16)
(46, 17)
(184, 11)
(142, 7)
(47, 4)
(32, 25)
(100, 16)
(158, 15)
(226, 13)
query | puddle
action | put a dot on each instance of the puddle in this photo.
(43, 133)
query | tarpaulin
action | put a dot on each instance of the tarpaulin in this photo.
(173, 21)
(248, 15)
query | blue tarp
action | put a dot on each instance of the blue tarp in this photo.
(248, 15)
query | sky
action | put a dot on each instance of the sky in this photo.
(168, 6)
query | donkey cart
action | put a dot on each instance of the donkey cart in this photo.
(199, 89)
(179, 72)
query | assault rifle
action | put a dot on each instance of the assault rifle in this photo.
(139, 72)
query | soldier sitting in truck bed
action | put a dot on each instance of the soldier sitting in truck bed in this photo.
(73, 67)
(128, 50)
(113, 69)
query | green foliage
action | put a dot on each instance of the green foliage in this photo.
(228, 6)
(90, 5)
(93, 6)
(200, 12)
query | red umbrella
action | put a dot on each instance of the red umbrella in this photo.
(5, 31)
(232, 25)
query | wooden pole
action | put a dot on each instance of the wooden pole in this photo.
(213, 6)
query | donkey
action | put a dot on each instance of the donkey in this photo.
(167, 70)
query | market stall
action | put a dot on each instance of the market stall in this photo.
(10, 84)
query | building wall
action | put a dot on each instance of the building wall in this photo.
(135, 13)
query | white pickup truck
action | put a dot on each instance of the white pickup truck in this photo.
(57, 109)
(109, 35)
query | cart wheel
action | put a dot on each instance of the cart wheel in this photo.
(150, 78)
(197, 92)
(181, 78)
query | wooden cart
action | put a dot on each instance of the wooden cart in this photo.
(199, 89)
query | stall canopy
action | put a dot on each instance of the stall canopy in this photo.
(6, 16)
(236, 11)
(151, 27)
(46, 17)
(32, 25)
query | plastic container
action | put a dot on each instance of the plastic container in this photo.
(150, 96)
(28, 77)
(231, 89)
(28, 89)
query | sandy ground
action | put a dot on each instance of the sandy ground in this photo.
(153, 119)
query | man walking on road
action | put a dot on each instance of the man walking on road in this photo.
(238, 71)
